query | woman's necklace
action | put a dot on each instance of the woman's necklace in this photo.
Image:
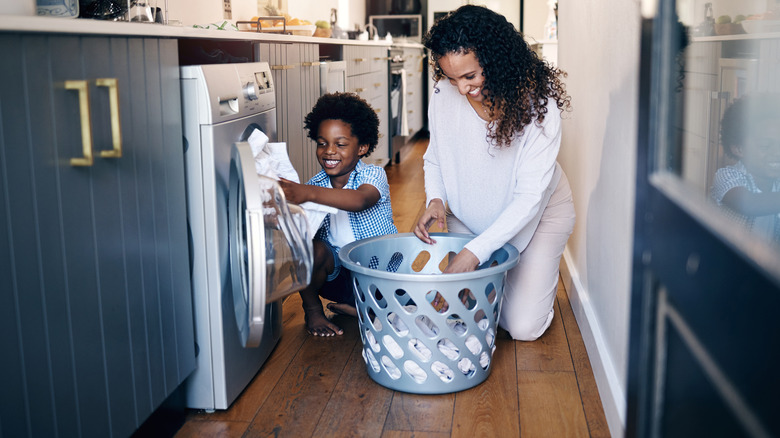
(480, 108)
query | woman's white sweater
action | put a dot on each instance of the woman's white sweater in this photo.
(498, 193)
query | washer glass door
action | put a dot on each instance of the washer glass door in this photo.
(270, 249)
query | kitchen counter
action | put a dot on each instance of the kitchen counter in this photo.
(11, 23)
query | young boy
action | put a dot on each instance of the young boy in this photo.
(750, 188)
(345, 129)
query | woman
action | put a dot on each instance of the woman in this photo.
(490, 167)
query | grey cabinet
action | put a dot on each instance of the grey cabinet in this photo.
(367, 76)
(296, 75)
(96, 320)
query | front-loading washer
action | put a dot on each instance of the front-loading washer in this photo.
(247, 248)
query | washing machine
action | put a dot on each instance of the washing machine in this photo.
(249, 248)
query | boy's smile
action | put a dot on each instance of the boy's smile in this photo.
(338, 151)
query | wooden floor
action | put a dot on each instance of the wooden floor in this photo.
(319, 386)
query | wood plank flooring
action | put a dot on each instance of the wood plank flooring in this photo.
(319, 387)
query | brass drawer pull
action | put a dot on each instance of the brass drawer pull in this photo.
(377, 84)
(359, 59)
(309, 64)
(282, 67)
(359, 90)
(116, 127)
(377, 110)
(86, 123)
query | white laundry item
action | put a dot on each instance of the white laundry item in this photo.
(391, 369)
(272, 160)
(443, 371)
(416, 346)
(466, 366)
(392, 347)
(448, 349)
(369, 358)
(427, 326)
(472, 343)
(414, 371)
(404, 110)
(398, 324)
(484, 360)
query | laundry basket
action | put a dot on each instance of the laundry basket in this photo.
(425, 332)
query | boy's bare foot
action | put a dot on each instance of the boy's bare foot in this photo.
(342, 309)
(318, 324)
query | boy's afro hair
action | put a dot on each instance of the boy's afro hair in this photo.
(744, 114)
(350, 109)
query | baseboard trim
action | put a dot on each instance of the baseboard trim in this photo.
(611, 391)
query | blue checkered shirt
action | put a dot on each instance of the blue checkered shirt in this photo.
(729, 177)
(374, 221)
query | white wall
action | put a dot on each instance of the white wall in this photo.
(598, 45)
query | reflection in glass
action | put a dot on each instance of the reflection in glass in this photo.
(749, 189)
(726, 145)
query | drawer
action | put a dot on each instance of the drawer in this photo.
(358, 60)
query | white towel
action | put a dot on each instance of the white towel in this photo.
(272, 160)
(404, 110)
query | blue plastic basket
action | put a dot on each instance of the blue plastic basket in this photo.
(425, 332)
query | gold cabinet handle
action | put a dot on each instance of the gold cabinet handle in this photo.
(282, 67)
(359, 59)
(86, 123)
(411, 111)
(116, 127)
(377, 110)
(381, 135)
(410, 93)
(383, 58)
(309, 64)
(377, 84)
(359, 90)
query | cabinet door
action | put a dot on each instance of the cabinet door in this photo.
(94, 269)
(310, 92)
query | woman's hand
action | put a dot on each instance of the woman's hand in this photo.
(434, 213)
(465, 261)
(294, 192)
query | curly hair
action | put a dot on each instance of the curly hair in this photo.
(743, 116)
(350, 109)
(518, 83)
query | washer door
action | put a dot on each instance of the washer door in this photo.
(270, 249)
(247, 243)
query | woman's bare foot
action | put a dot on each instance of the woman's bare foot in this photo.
(318, 324)
(342, 309)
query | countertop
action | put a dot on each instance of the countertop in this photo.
(36, 24)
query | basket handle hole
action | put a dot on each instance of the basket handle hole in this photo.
(490, 293)
(405, 301)
(398, 324)
(437, 301)
(395, 262)
(445, 261)
(467, 298)
(420, 261)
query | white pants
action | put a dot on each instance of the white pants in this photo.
(530, 287)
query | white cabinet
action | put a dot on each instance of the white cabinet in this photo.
(414, 68)
(367, 76)
(296, 75)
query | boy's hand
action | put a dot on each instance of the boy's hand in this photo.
(434, 213)
(294, 192)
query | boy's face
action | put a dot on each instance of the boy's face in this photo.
(338, 150)
(760, 152)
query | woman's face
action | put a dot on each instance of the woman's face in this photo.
(463, 71)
